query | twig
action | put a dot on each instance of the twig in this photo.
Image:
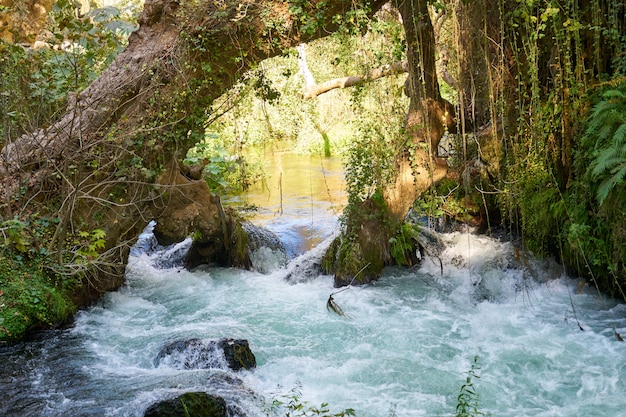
(574, 310)
(332, 305)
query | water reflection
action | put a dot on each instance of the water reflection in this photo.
(301, 198)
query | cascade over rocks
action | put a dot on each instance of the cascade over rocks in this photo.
(266, 251)
(192, 210)
(198, 353)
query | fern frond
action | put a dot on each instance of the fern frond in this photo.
(619, 136)
(614, 94)
(605, 161)
(610, 183)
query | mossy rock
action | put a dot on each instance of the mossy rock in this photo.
(29, 299)
(198, 353)
(196, 404)
(238, 354)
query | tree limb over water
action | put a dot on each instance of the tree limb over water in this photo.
(113, 160)
(313, 89)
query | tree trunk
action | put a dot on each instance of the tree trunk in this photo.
(429, 115)
(366, 249)
(112, 161)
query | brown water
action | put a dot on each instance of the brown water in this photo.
(300, 200)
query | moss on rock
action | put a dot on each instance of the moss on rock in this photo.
(197, 404)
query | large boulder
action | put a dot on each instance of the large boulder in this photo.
(198, 353)
(196, 404)
(217, 233)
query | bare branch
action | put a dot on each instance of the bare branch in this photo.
(354, 80)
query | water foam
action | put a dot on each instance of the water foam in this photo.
(404, 347)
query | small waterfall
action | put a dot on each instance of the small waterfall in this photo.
(267, 251)
(307, 266)
(161, 257)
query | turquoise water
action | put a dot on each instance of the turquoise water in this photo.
(403, 348)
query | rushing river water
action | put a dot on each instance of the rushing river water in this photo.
(403, 349)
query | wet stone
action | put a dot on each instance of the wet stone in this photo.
(196, 353)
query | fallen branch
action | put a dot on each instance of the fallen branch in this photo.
(331, 305)
(313, 89)
(354, 80)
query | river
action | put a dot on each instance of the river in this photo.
(403, 348)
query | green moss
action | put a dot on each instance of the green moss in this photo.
(239, 246)
(350, 258)
(198, 404)
(328, 260)
(30, 298)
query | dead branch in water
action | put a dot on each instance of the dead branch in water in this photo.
(331, 305)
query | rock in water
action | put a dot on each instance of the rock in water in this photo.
(238, 354)
(198, 353)
(197, 404)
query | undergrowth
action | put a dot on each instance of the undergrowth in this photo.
(31, 297)
(292, 405)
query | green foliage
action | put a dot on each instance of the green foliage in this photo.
(15, 235)
(265, 110)
(292, 405)
(594, 237)
(89, 244)
(224, 172)
(87, 45)
(378, 137)
(35, 83)
(31, 297)
(35, 287)
(606, 136)
(447, 200)
(541, 208)
(468, 401)
(26, 237)
(404, 243)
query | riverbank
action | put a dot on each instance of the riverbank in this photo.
(31, 298)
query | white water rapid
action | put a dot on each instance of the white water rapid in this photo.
(403, 349)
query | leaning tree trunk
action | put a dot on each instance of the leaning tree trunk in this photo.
(112, 162)
(365, 249)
